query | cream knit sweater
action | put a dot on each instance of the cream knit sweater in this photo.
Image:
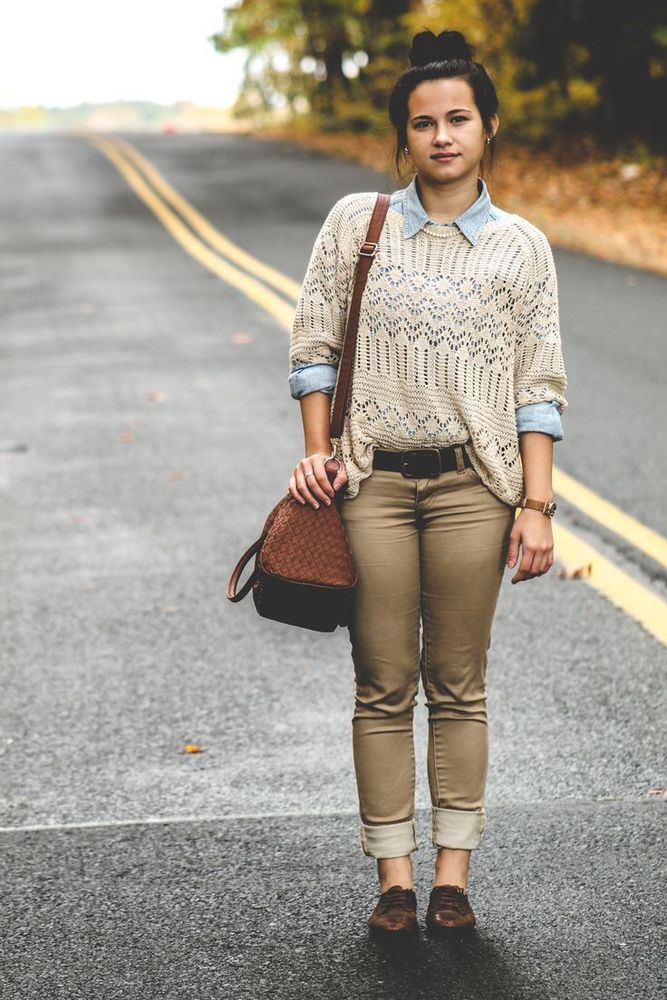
(452, 337)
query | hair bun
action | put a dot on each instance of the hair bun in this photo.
(427, 47)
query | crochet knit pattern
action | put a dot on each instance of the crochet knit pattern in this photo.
(452, 337)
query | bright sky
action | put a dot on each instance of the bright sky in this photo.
(64, 52)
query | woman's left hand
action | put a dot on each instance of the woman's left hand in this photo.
(532, 530)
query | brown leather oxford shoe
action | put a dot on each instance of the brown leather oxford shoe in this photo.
(395, 912)
(449, 909)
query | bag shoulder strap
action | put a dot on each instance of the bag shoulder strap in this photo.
(366, 252)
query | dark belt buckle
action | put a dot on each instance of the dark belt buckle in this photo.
(423, 463)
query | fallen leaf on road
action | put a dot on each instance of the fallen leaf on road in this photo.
(156, 397)
(660, 793)
(127, 437)
(192, 748)
(572, 574)
(242, 338)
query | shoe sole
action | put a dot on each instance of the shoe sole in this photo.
(398, 933)
(444, 930)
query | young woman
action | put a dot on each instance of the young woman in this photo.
(455, 404)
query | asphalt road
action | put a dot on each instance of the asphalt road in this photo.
(142, 444)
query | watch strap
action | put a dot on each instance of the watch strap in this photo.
(547, 507)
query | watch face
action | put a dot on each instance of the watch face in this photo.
(552, 507)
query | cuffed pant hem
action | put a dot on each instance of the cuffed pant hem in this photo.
(460, 828)
(390, 840)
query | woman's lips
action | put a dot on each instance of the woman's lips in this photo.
(450, 156)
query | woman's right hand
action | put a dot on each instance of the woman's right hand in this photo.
(316, 488)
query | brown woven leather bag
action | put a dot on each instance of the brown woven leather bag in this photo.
(304, 574)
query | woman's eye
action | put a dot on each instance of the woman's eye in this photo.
(456, 118)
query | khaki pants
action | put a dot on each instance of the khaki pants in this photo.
(429, 553)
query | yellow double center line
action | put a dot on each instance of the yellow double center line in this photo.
(199, 238)
(260, 283)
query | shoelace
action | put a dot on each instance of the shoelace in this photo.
(449, 895)
(397, 897)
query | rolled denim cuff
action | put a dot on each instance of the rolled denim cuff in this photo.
(312, 378)
(543, 416)
(460, 828)
(390, 840)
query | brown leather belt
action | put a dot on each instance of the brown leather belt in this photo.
(421, 463)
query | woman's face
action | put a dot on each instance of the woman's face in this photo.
(443, 118)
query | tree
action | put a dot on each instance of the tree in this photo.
(560, 66)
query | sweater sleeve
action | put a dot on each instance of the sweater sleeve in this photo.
(319, 321)
(539, 371)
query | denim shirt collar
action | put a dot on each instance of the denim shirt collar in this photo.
(469, 222)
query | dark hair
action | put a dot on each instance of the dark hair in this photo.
(433, 57)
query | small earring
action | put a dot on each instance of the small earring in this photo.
(405, 149)
(487, 139)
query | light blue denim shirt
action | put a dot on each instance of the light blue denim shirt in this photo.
(543, 416)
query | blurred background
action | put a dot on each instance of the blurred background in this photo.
(582, 85)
